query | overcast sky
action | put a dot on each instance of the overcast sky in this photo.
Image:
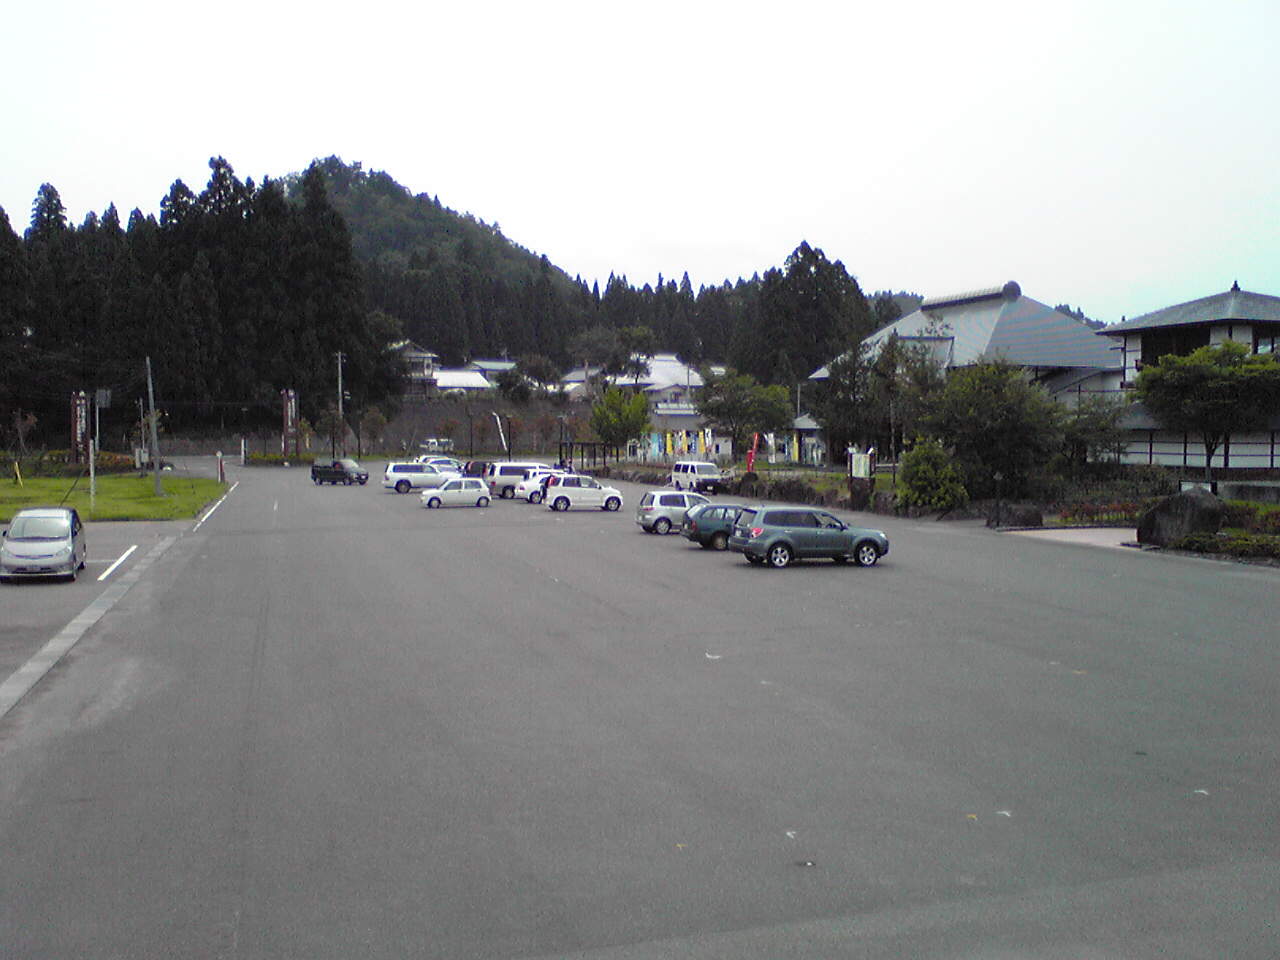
(1120, 156)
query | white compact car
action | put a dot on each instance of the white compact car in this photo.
(572, 492)
(534, 484)
(457, 492)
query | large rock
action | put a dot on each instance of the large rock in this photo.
(1016, 515)
(1192, 511)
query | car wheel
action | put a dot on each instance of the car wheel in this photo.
(779, 556)
(865, 554)
(316, 481)
(561, 504)
(402, 486)
(364, 481)
(535, 497)
(662, 525)
(433, 503)
(720, 541)
(482, 502)
(613, 503)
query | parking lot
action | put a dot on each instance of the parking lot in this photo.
(341, 724)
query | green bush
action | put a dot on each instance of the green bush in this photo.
(930, 479)
(1235, 545)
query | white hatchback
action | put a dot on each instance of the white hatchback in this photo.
(457, 492)
(573, 492)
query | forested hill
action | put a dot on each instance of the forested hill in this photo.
(456, 285)
(395, 227)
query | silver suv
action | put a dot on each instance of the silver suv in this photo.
(662, 510)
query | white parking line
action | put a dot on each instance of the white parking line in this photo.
(121, 559)
(209, 513)
(28, 675)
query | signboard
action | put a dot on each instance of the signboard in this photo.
(289, 427)
(860, 465)
(80, 426)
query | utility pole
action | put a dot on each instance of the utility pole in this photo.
(342, 423)
(155, 442)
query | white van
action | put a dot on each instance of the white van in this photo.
(697, 475)
(504, 475)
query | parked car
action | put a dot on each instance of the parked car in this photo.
(403, 477)
(457, 492)
(43, 542)
(534, 485)
(575, 491)
(662, 510)
(338, 471)
(709, 525)
(699, 475)
(503, 475)
(448, 464)
(777, 535)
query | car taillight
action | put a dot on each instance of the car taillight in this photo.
(756, 531)
(645, 509)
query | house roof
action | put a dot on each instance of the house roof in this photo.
(665, 370)
(1235, 304)
(461, 380)
(492, 366)
(996, 323)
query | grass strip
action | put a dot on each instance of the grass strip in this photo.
(118, 497)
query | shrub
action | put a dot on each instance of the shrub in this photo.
(930, 479)
(1235, 545)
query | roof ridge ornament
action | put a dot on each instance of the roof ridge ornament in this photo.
(1235, 286)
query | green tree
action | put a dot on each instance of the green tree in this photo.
(620, 416)
(513, 385)
(809, 312)
(999, 424)
(737, 405)
(1091, 433)
(842, 402)
(930, 479)
(1213, 392)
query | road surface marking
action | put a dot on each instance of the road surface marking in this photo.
(119, 560)
(29, 674)
(209, 513)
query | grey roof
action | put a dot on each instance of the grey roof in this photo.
(1235, 304)
(997, 323)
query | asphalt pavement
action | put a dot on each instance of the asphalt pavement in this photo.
(329, 723)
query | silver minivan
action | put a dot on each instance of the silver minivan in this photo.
(660, 511)
(503, 476)
(43, 542)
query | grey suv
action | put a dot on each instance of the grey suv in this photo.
(778, 535)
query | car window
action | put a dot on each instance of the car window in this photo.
(746, 518)
(827, 520)
(672, 500)
(588, 482)
(39, 528)
(695, 499)
(646, 500)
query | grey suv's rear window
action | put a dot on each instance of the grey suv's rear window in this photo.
(745, 518)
